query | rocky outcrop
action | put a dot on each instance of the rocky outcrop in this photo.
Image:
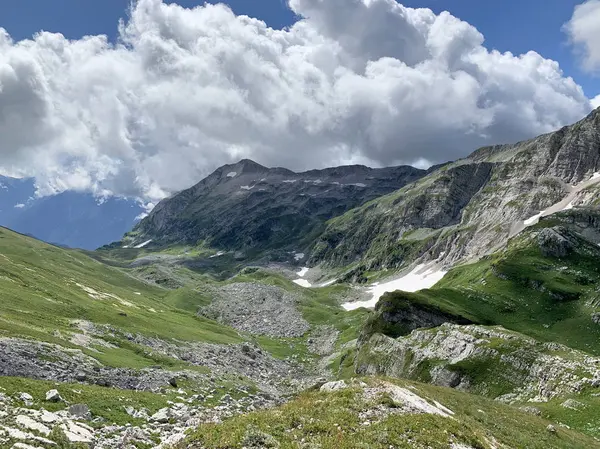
(553, 243)
(399, 313)
(490, 361)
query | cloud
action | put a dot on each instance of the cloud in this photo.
(584, 32)
(186, 90)
(596, 102)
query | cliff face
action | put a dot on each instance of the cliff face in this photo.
(463, 210)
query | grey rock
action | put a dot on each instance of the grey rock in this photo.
(80, 411)
(553, 243)
(257, 309)
(53, 396)
(465, 209)
(334, 386)
(530, 371)
(26, 397)
(162, 416)
(531, 410)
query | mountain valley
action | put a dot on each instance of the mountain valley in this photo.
(260, 309)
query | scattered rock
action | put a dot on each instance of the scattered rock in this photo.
(572, 404)
(258, 309)
(551, 428)
(80, 411)
(334, 386)
(53, 396)
(162, 416)
(531, 410)
(31, 424)
(27, 398)
(25, 446)
(77, 432)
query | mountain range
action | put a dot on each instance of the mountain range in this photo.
(456, 307)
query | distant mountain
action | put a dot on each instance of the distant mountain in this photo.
(72, 219)
(248, 207)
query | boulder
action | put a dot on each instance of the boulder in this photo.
(53, 396)
(161, 416)
(80, 411)
(334, 386)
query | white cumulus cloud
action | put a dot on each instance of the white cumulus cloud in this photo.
(584, 32)
(186, 90)
(596, 102)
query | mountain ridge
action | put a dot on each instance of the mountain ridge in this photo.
(525, 178)
(246, 206)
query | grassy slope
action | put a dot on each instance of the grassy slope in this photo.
(331, 420)
(43, 290)
(550, 299)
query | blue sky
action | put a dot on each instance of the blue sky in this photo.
(509, 25)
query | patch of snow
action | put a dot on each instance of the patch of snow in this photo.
(359, 184)
(303, 272)
(141, 245)
(595, 176)
(533, 220)
(328, 283)
(289, 181)
(19, 206)
(303, 283)
(246, 187)
(298, 256)
(126, 246)
(137, 293)
(219, 254)
(232, 174)
(421, 277)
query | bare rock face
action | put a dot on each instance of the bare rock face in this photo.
(466, 209)
(399, 313)
(518, 367)
(553, 244)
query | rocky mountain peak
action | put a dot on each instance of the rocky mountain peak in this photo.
(244, 166)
